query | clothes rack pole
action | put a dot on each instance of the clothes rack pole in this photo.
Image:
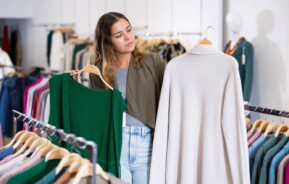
(172, 33)
(268, 111)
(78, 142)
(15, 67)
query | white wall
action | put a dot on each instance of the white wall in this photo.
(266, 25)
(16, 9)
(158, 15)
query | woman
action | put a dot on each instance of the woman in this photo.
(139, 79)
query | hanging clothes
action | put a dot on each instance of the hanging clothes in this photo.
(11, 98)
(6, 42)
(5, 60)
(93, 114)
(244, 53)
(56, 52)
(34, 167)
(48, 46)
(77, 48)
(167, 49)
(15, 49)
(200, 134)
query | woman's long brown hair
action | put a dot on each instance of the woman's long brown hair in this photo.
(104, 47)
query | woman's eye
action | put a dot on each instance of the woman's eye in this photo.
(118, 36)
(129, 30)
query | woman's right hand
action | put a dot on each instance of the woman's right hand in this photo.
(75, 74)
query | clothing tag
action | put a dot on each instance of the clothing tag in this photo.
(124, 120)
(243, 57)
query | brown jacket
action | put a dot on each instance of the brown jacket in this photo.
(143, 88)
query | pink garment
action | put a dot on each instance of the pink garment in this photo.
(286, 175)
(26, 90)
(22, 167)
(41, 104)
(30, 95)
(25, 98)
(254, 138)
(7, 159)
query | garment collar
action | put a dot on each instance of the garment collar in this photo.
(204, 49)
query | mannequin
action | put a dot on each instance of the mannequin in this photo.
(234, 22)
(242, 51)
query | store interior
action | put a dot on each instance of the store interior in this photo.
(36, 36)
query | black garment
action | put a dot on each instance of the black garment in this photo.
(13, 47)
(48, 49)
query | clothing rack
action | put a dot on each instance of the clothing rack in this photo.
(171, 33)
(268, 111)
(15, 67)
(53, 25)
(78, 142)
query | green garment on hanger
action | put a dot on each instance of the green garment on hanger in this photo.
(34, 173)
(95, 115)
(244, 49)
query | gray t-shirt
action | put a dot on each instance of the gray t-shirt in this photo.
(121, 80)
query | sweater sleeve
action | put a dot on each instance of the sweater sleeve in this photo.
(159, 153)
(161, 65)
(248, 72)
(234, 128)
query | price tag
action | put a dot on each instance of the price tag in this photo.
(124, 120)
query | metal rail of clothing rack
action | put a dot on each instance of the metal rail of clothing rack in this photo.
(17, 68)
(268, 111)
(78, 142)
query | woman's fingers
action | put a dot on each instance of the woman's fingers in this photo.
(75, 73)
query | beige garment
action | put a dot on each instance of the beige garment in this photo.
(281, 169)
(200, 135)
(77, 58)
(67, 52)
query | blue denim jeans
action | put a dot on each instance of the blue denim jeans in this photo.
(136, 153)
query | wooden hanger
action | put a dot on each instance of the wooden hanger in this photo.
(86, 170)
(27, 144)
(248, 122)
(256, 124)
(271, 127)
(37, 146)
(23, 138)
(75, 166)
(263, 126)
(281, 129)
(15, 138)
(34, 145)
(47, 149)
(205, 41)
(287, 133)
(45, 144)
(67, 161)
(56, 153)
(95, 70)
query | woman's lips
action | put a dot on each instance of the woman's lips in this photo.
(129, 44)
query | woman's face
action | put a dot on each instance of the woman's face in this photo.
(122, 37)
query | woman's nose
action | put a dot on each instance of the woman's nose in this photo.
(126, 37)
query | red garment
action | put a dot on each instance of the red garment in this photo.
(6, 44)
(286, 175)
(36, 99)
